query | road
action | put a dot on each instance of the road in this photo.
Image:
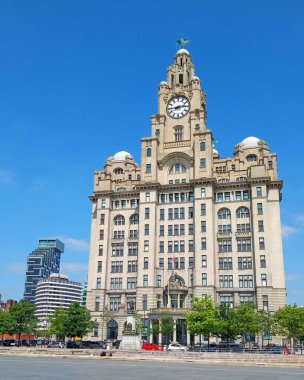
(26, 368)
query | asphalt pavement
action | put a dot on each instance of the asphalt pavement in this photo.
(26, 368)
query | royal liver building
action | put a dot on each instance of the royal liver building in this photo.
(185, 223)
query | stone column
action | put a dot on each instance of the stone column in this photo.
(150, 327)
(160, 333)
(174, 330)
(188, 337)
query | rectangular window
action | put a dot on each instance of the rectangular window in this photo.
(147, 213)
(176, 229)
(99, 266)
(238, 195)
(100, 250)
(103, 203)
(117, 204)
(146, 229)
(245, 195)
(226, 281)
(265, 303)
(244, 299)
(170, 263)
(98, 283)
(270, 167)
(182, 213)
(133, 203)
(190, 212)
(263, 261)
(224, 228)
(182, 263)
(146, 262)
(225, 245)
(227, 197)
(117, 249)
(244, 262)
(203, 162)
(163, 198)
(176, 246)
(123, 204)
(148, 168)
(260, 209)
(204, 279)
(227, 300)
(116, 266)
(102, 218)
(225, 263)
(203, 209)
(170, 246)
(134, 234)
(204, 261)
(246, 281)
(161, 247)
(244, 227)
(170, 230)
(264, 279)
(131, 282)
(162, 214)
(161, 262)
(203, 192)
(146, 246)
(191, 262)
(147, 197)
(204, 243)
(176, 213)
(190, 246)
(243, 245)
(261, 243)
(161, 230)
(182, 246)
(220, 197)
(260, 226)
(190, 229)
(101, 235)
(145, 302)
(132, 249)
(202, 147)
(119, 234)
(115, 303)
(116, 283)
(258, 192)
(97, 303)
(203, 226)
(132, 266)
(158, 281)
(182, 229)
(170, 213)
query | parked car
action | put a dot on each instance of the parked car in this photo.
(275, 349)
(152, 347)
(54, 345)
(73, 344)
(176, 347)
(230, 347)
(90, 344)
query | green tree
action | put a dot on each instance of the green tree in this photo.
(138, 323)
(105, 317)
(204, 319)
(227, 326)
(23, 319)
(5, 323)
(78, 322)
(167, 326)
(247, 321)
(58, 323)
(289, 321)
(266, 324)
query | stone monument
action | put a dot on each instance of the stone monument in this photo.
(130, 338)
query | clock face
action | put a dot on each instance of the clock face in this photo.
(178, 107)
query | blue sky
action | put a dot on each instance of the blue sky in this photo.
(79, 83)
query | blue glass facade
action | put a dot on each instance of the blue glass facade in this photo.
(42, 262)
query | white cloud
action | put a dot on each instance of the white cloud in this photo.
(73, 267)
(7, 178)
(15, 267)
(75, 244)
(288, 231)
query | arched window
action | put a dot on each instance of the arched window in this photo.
(251, 157)
(241, 179)
(178, 133)
(149, 151)
(121, 189)
(223, 180)
(224, 213)
(119, 220)
(134, 219)
(177, 169)
(118, 171)
(242, 212)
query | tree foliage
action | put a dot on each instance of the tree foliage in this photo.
(78, 322)
(59, 322)
(22, 318)
(289, 321)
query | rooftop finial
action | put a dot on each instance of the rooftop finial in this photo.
(183, 42)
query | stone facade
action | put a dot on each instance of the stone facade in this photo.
(185, 223)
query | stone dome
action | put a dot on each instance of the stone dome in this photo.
(250, 142)
(183, 51)
(195, 77)
(121, 156)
